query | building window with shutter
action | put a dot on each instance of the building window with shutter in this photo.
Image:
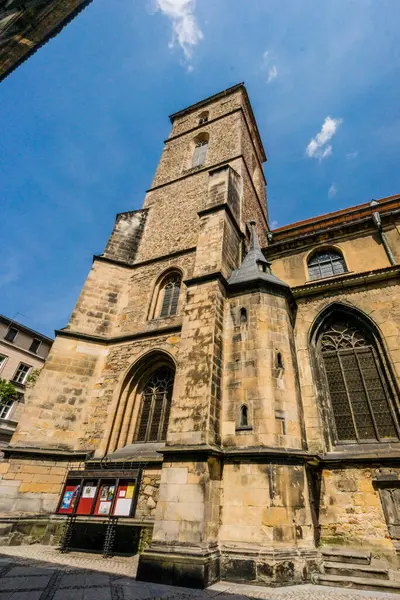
(21, 374)
(155, 406)
(11, 334)
(326, 263)
(361, 393)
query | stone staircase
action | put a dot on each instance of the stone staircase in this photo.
(356, 569)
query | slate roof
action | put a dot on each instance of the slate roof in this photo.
(255, 267)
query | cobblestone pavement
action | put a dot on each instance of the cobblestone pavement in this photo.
(42, 573)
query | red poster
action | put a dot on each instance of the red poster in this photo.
(87, 498)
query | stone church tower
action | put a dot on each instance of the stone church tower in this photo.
(225, 397)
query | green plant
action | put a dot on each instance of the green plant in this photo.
(32, 377)
(7, 391)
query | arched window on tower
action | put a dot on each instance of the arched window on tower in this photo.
(155, 406)
(326, 263)
(243, 315)
(203, 117)
(169, 292)
(200, 150)
(359, 384)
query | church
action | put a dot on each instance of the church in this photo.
(225, 397)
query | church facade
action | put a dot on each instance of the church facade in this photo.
(224, 394)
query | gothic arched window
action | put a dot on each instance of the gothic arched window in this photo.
(200, 150)
(170, 290)
(359, 386)
(326, 263)
(155, 406)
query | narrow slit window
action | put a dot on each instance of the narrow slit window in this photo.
(279, 361)
(244, 416)
(243, 315)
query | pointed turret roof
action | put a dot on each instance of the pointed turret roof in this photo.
(255, 268)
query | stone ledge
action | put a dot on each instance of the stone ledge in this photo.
(49, 453)
(346, 281)
(118, 339)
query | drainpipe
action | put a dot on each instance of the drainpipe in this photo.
(378, 224)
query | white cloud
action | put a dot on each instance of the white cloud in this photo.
(272, 73)
(332, 191)
(351, 155)
(272, 69)
(318, 146)
(274, 224)
(185, 30)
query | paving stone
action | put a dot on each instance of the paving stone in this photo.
(25, 571)
(24, 583)
(42, 573)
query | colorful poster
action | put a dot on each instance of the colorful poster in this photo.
(66, 503)
(111, 491)
(129, 491)
(104, 492)
(104, 508)
(75, 495)
(89, 491)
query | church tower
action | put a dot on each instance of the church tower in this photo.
(177, 348)
(224, 398)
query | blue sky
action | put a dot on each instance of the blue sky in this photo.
(83, 120)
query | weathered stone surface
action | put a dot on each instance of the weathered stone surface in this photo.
(249, 475)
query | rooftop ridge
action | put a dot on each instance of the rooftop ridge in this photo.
(338, 213)
(8, 321)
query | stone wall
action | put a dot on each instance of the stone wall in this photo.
(148, 494)
(188, 509)
(31, 485)
(216, 109)
(351, 511)
(265, 505)
(252, 377)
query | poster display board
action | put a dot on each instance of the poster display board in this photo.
(98, 497)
